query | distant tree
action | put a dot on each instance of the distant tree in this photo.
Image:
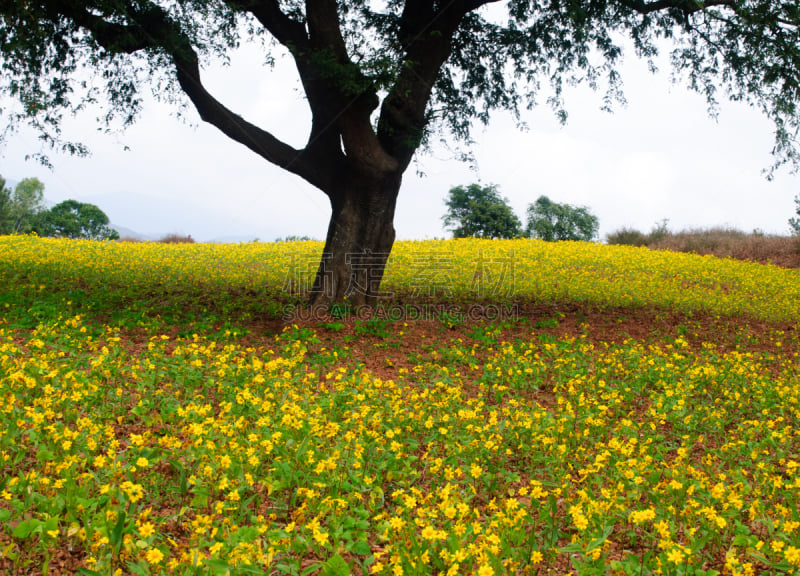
(794, 223)
(481, 212)
(551, 221)
(5, 206)
(295, 238)
(20, 209)
(73, 219)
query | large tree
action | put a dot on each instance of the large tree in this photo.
(380, 76)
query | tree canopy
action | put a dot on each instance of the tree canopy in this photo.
(5, 205)
(19, 208)
(552, 221)
(73, 219)
(380, 77)
(480, 212)
(794, 222)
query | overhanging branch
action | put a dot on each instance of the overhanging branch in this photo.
(115, 38)
(151, 27)
(688, 6)
(470, 5)
(237, 128)
(289, 32)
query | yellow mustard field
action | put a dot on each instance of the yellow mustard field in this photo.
(462, 269)
(637, 413)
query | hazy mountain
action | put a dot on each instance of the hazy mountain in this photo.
(128, 233)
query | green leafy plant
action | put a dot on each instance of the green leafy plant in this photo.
(376, 326)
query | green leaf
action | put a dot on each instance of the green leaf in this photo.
(741, 540)
(44, 455)
(313, 568)
(249, 570)
(24, 528)
(597, 543)
(51, 524)
(116, 533)
(761, 558)
(200, 499)
(138, 569)
(361, 547)
(218, 565)
(336, 566)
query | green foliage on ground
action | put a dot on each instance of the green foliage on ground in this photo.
(157, 420)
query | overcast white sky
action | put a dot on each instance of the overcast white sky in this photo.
(659, 157)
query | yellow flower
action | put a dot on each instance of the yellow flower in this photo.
(146, 529)
(142, 463)
(321, 537)
(640, 516)
(396, 523)
(675, 556)
(485, 570)
(154, 556)
(475, 471)
(581, 522)
(429, 533)
(792, 555)
(134, 491)
(536, 557)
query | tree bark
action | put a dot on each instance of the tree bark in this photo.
(360, 237)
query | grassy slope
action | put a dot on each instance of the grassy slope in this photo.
(637, 413)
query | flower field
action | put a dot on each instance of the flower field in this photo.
(166, 409)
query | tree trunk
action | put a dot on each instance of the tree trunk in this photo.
(360, 238)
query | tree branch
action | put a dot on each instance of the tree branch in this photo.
(688, 6)
(289, 32)
(470, 5)
(324, 29)
(115, 38)
(341, 96)
(427, 39)
(237, 128)
(151, 27)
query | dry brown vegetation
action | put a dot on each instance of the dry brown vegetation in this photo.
(177, 239)
(781, 251)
